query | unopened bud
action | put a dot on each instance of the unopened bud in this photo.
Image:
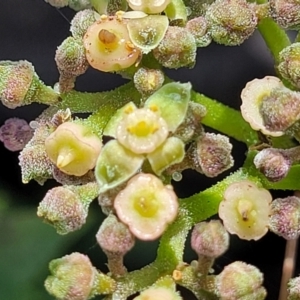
(15, 133)
(286, 13)
(289, 64)
(80, 4)
(73, 277)
(214, 154)
(71, 62)
(66, 208)
(20, 85)
(231, 22)
(273, 163)
(285, 218)
(240, 281)
(58, 3)
(198, 28)
(177, 49)
(294, 289)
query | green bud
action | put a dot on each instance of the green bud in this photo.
(71, 62)
(231, 22)
(286, 13)
(294, 289)
(240, 281)
(147, 81)
(177, 49)
(73, 277)
(147, 32)
(176, 11)
(289, 64)
(20, 85)
(82, 21)
(79, 4)
(284, 217)
(58, 3)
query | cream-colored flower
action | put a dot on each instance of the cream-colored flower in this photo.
(146, 206)
(245, 210)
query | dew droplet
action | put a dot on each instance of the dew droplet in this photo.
(176, 176)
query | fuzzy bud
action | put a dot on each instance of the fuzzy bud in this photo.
(210, 239)
(82, 21)
(240, 281)
(289, 64)
(147, 81)
(20, 85)
(286, 13)
(198, 28)
(177, 49)
(73, 277)
(273, 163)
(214, 154)
(15, 133)
(58, 3)
(285, 218)
(71, 62)
(294, 289)
(80, 4)
(231, 22)
(66, 208)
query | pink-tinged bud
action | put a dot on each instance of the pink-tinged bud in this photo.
(214, 154)
(71, 62)
(294, 289)
(240, 281)
(66, 208)
(210, 239)
(286, 13)
(20, 85)
(285, 217)
(231, 22)
(73, 277)
(177, 49)
(273, 163)
(198, 28)
(15, 133)
(116, 240)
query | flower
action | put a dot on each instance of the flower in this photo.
(146, 206)
(73, 148)
(149, 6)
(245, 210)
(155, 293)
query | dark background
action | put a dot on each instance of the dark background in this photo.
(31, 30)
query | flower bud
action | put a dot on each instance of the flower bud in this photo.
(146, 206)
(273, 163)
(108, 45)
(240, 281)
(198, 28)
(245, 210)
(289, 64)
(155, 293)
(294, 289)
(116, 240)
(20, 85)
(80, 4)
(177, 49)
(58, 3)
(82, 21)
(73, 277)
(147, 81)
(285, 218)
(286, 13)
(210, 239)
(15, 133)
(73, 148)
(231, 22)
(214, 154)
(71, 62)
(66, 207)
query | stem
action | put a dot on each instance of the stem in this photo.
(288, 267)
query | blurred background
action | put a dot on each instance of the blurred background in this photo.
(31, 30)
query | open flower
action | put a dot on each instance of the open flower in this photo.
(245, 210)
(143, 133)
(146, 206)
(73, 148)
